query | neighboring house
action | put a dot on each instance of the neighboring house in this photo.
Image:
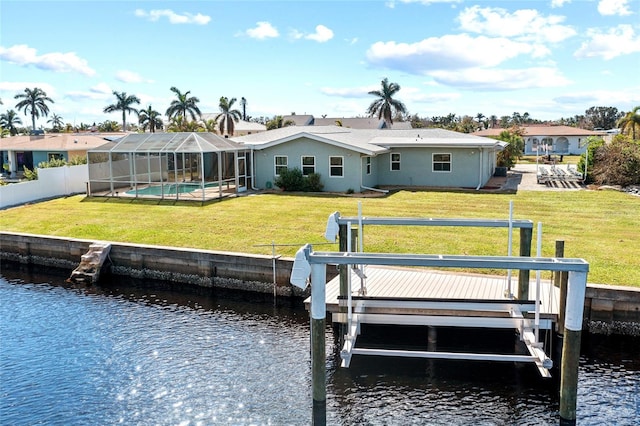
(361, 159)
(353, 123)
(18, 152)
(561, 140)
(241, 127)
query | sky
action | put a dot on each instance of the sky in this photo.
(550, 58)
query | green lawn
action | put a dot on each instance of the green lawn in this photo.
(598, 226)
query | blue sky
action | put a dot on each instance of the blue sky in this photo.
(550, 58)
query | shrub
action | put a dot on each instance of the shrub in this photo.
(617, 163)
(30, 174)
(293, 180)
(593, 144)
(77, 160)
(312, 183)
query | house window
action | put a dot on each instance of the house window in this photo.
(441, 162)
(280, 163)
(367, 163)
(395, 161)
(336, 168)
(308, 165)
(55, 156)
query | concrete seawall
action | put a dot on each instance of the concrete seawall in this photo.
(608, 309)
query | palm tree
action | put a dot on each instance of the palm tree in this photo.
(210, 125)
(56, 121)
(34, 102)
(150, 118)
(227, 115)
(385, 104)
(630, 122)
(123, 104)
(9, 120)
(183, 105)
(243, 104)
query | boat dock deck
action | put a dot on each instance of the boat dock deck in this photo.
(420, 284)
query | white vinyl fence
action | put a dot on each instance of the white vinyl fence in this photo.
(52, 182)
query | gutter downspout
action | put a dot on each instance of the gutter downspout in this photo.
(480, 170)
(384, 191)
(253, 171)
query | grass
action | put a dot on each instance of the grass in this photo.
(598, 226)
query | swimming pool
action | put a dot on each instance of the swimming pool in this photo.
(170, 189)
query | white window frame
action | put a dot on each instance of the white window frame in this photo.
(367, 164)
(332, 166)
(277, 166)
(394, 162)
(443, 162)
(313, 166)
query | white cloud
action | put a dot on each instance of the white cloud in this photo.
(321, 35)
(523, 24)
(622, 98)
(617, 41)
(391, 4)
(262, 31)
(174, 18)
(559, 3)
(12, 88)
(131, 77)
(23, 55)
(100, 91)
(449, 52)
(102, 88)
(501, 79)
(614, 7)
(350, 92)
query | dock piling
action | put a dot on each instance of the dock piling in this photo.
(318, 355)
(576, 289)
(526, 236)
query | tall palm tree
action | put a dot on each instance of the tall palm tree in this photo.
(9, 120)
(227, 115)
(630, 122)
(183, 105)
(385, 105)
(56, 121)
(150, 118)
(123, 104)
(34, 102)
(243, 104)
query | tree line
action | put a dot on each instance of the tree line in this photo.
(184, 114)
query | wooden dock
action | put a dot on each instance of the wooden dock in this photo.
(421, 284)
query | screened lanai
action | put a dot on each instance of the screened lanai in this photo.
(177, 166)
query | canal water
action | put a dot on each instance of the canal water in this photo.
(135, 353)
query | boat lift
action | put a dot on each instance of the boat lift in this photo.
(521, 314)
(310, 267)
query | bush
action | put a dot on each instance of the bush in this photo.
(312, 183)
(30, 174)
(593, 144)
(617, 163)
(293, 180)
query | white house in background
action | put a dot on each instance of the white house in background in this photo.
(241, 127)
(353, 123)
(561, 140)
(363, 159)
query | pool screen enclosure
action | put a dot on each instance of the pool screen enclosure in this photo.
(178, 166)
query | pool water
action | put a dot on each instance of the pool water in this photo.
(170, 189)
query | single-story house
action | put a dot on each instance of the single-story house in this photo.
(18, 152)
(354, 123)
(560, 140)
(363, 159)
